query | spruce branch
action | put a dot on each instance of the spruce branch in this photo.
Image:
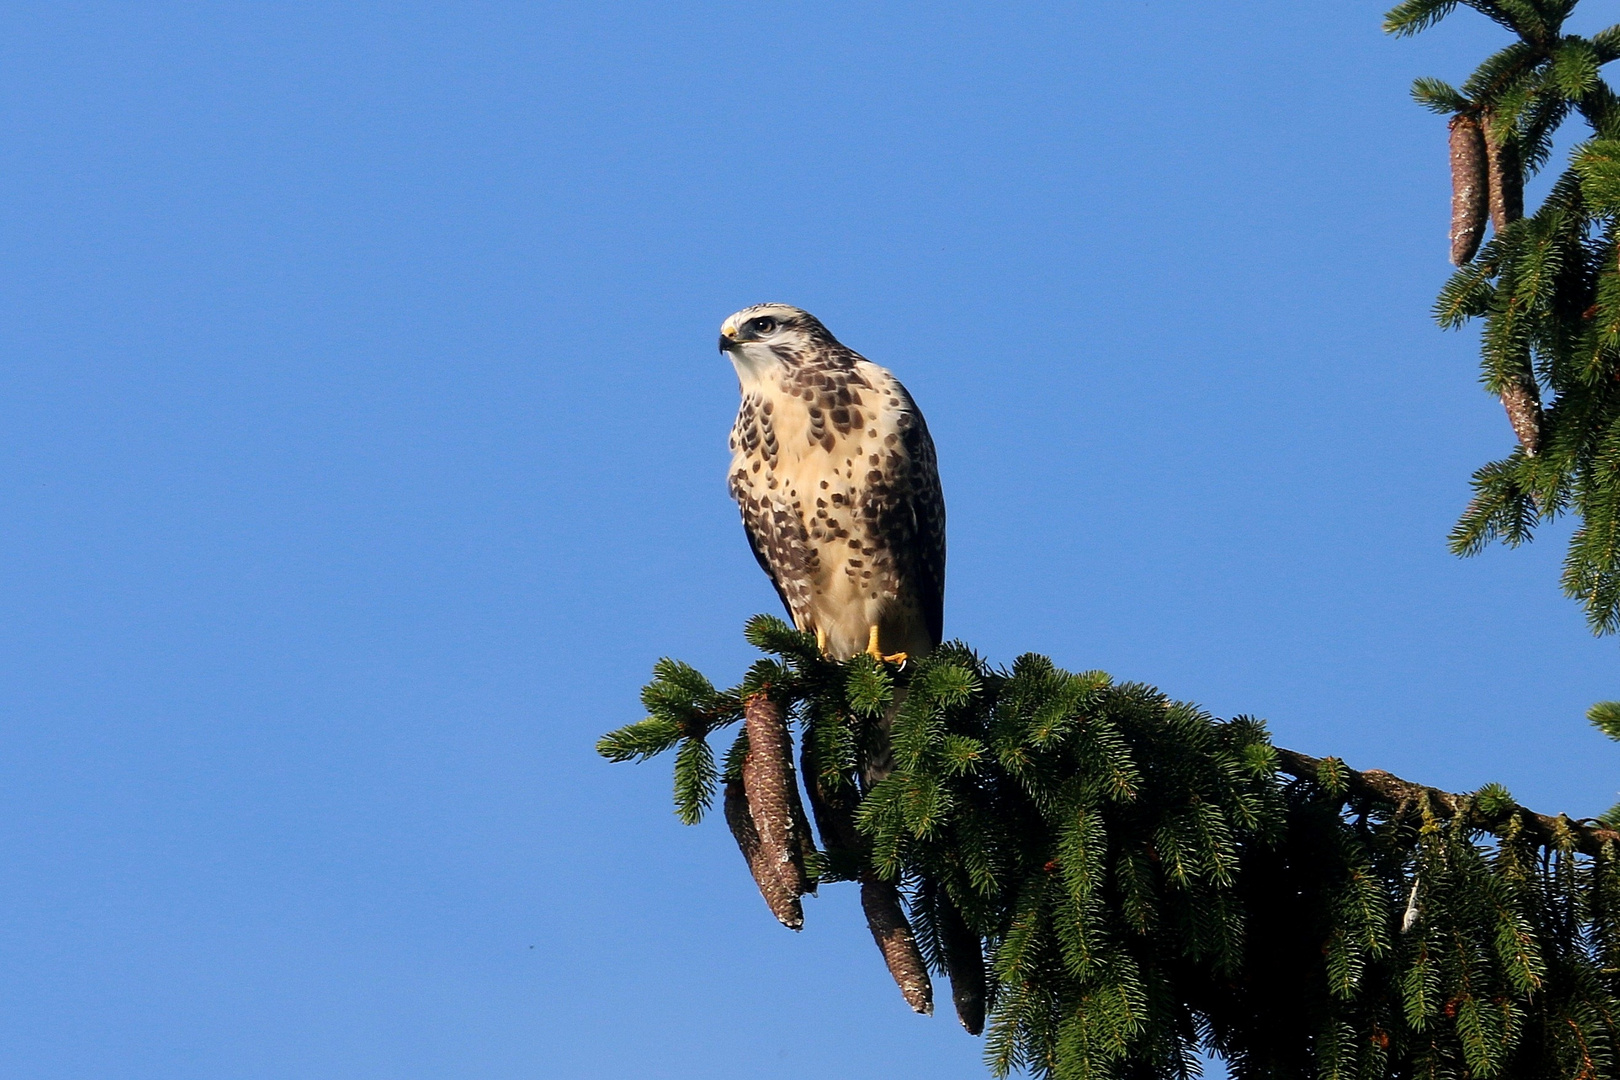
(1438, 96)
(1415, 16)
(1495, 814)
(1546, 286)
(1606, 43)
(1114, 881)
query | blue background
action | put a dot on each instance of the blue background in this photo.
(362, 444)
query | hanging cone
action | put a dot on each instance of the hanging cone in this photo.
(783, 902)
(881, 902)
(1469, 187)
(1506, 177)
(1522, 400)
(835, 820)
(964, 963)
(1523, 405)
(773, 798)
(804, 844)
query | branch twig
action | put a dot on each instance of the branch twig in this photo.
(1379, 786)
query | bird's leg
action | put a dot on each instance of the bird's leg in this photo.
(821, 641)
(876, 653)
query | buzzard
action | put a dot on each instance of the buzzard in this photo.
(834, 472)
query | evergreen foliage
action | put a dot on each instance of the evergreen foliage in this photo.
(1546, 287)
(1147, 881)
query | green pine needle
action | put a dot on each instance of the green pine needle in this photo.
(1605, 716)
(639, 741)
(1415, 16)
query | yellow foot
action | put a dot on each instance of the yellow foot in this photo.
(876, 653)
(821, 640)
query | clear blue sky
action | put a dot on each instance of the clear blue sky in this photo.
(363, 445)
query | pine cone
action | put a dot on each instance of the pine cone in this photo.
(881, 902)
(1506, 177)
(1523, 405)
(773, 799)
(964, 963)
(783, 902)
(1470, 187)
(804, 843)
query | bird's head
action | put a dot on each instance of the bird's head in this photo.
(768, 336)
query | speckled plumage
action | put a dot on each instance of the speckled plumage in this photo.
(835, 474)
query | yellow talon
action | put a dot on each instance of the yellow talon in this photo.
(821, 640)
(876, 653)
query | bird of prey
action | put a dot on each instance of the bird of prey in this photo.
(834, 471)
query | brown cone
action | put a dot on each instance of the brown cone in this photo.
(784, 903)
(803, 842)
(1523, 405)
(1506, 172)
(1506, 178)
(881, 902)
(773, 798)
(1470, 187)
(964, 963)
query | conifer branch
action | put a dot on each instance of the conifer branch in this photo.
(1544, 286)
(1114, 881)
(1490, 810)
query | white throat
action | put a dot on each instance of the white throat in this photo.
(756, 365)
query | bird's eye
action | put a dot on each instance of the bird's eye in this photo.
(764, 324)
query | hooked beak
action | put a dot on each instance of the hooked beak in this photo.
(728, 338)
